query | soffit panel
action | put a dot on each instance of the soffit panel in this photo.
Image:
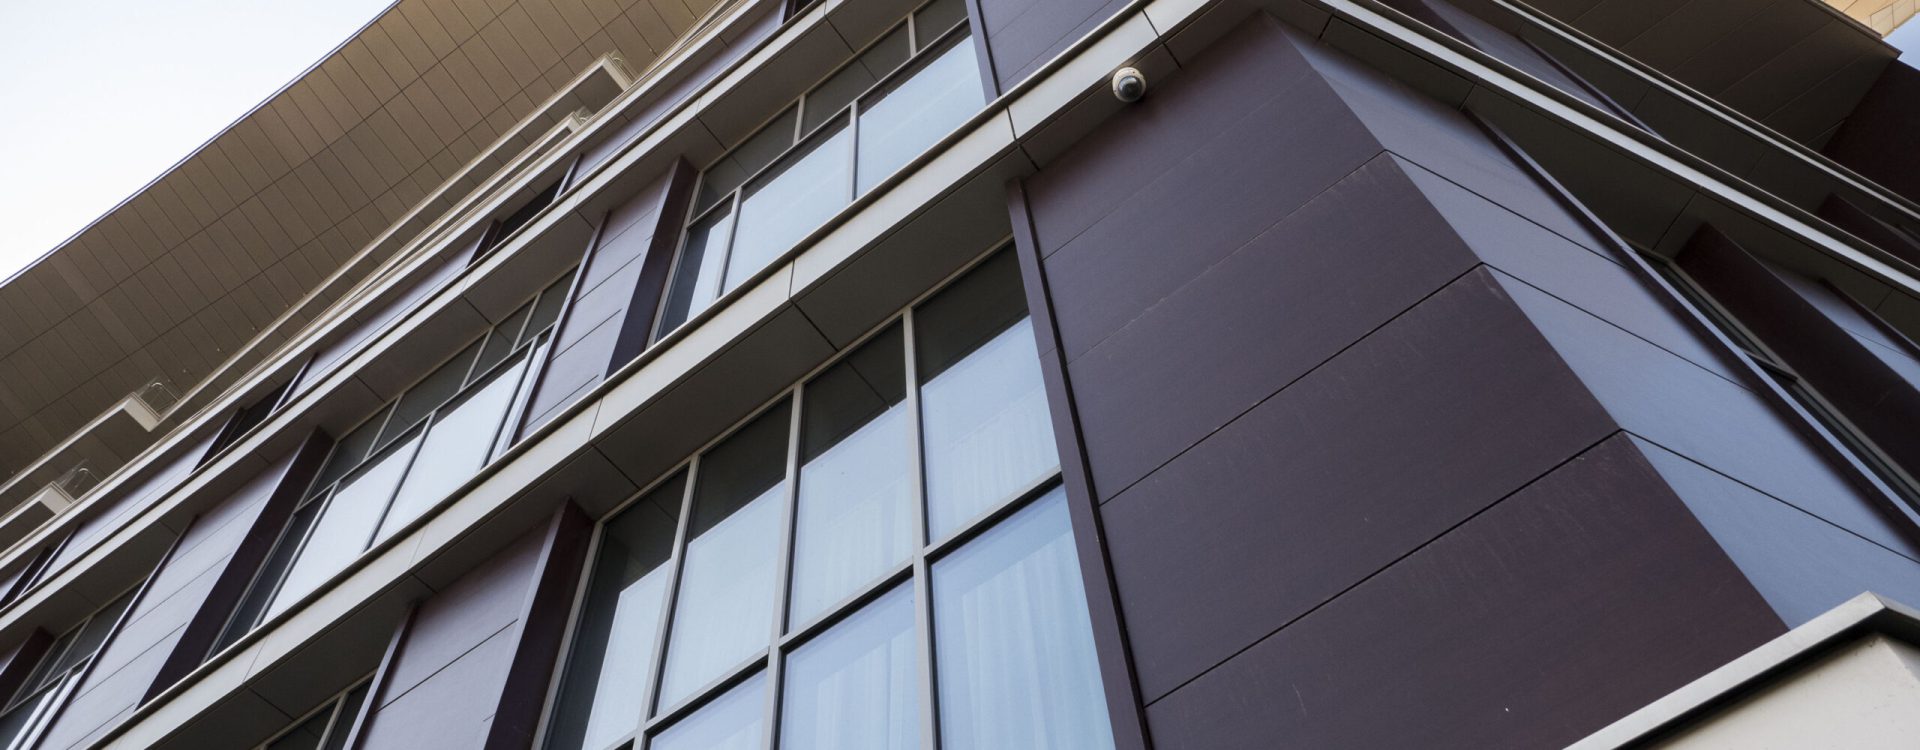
(171, 282)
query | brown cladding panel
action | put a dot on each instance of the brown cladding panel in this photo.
(1276, 308)
(1434, 417)
(1023, 35)
(1740, 433)
(1572, 603)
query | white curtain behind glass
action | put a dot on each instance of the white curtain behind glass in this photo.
(726, 596)
(731, 722)
(1016, 660)
(621, 694)
(856, 516)
(853, 687)
(988, 433)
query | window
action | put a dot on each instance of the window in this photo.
(385, 473)
(844, 136)
(505, 228)
(328, 727)
(796, 553)
(249, 417)
(31, 708)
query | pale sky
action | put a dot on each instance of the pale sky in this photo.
(98, 97)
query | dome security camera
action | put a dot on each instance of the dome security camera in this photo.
(1129, 84)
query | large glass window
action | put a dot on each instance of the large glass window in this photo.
(855, 687)
(724, 611)
(806, 562)
(383, 474)
(848, 133)
(985, 408)
(1017, 666)
(28, 711)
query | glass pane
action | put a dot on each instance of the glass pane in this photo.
(92, 635)
(853, 687)
(697, 281)
(346, 524)
(731, 722)
(725, 611)
(504, 337)
(898, 124)
(789, 202)
(984, 407)
(43, 672)
(455, 448)
(606, 686)
(1014, 641)
(835, 93)
(753, 154)
(855, 517)
(307, 736)
(350, 450)
(349, 712)
(937, 18)
(251, 608)
(547, 309)
(429, 394)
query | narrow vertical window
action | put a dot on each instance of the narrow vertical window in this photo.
(984, 407)
(608, 680)
(855, 514)
(725, 610)
(1017, 666)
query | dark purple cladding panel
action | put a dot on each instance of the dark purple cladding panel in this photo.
(1352, 492)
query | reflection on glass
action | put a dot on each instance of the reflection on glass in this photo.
(834, 94)
(855, 505)
(346, 525)
(853, 687)
(349, 712)
(725, 610)
(455, 448)
(501, 342)
(607, 676)
(898, 124)
(1014, 641)
(931, 21)
(429, 393)
(983, 405)
(24, 718)
(251, 609)
(753, 154)
(348, 452)
(789, 202)
(732, 721)
(697, 282)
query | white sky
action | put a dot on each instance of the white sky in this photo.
(98, 97)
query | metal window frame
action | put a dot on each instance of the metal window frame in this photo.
(334, 705)
(918, 54)
(788, 635)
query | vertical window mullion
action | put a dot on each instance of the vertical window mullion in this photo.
(922, 586)
(783, 582)
(419, 442)
(726, 254)
(853, 146)
(664, 632)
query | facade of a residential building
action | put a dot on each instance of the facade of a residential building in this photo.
(1000, 374)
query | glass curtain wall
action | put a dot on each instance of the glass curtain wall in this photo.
(30, 709)
(383, 474)
(328, 727)
(799, 581)
(844, 136)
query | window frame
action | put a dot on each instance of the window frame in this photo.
(527, 349)
(335, 705)
(848, 117)
(787, 636)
